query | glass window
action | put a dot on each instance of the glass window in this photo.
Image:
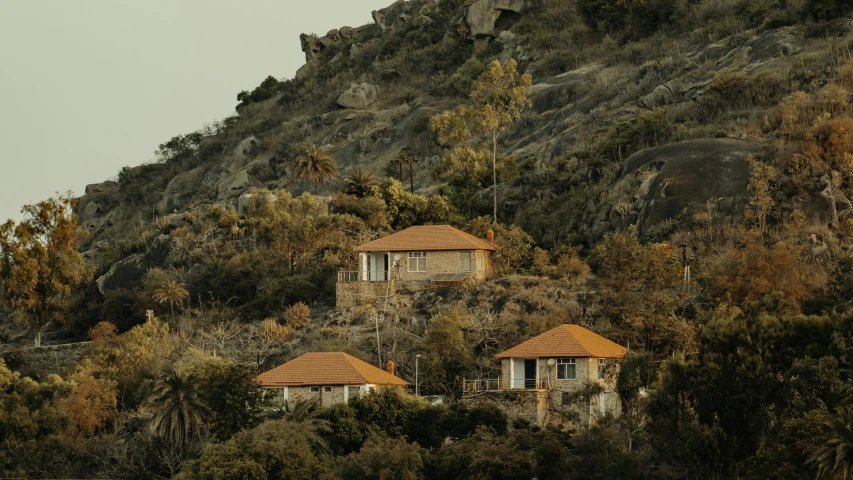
(566, 369)
(353, 392)
(564, 398)
(464, 261)
(315, 389)
(417, 261)
(602, 369)
(327, 389)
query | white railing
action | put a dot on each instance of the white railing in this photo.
(348, 276)
(497, 384)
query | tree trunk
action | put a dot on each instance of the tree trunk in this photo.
(495, 175)
(172, 306)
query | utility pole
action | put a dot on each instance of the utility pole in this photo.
(417, 385)
(411, 161)
(399, 161)
(378, 346)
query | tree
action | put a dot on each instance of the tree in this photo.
(276, 449)
(180, 415)
(31, 426)
(835, 458)
(262, 341)
(498, 97)
(315, 166)
(384, 458)
(91, 405)
(40, 263)
(233, 396)
(358, 182)
(169, 290)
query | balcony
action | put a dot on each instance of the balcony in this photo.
(497, 385)
(348, 276)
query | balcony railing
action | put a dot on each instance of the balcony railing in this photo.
(348, 276)
(497, 384)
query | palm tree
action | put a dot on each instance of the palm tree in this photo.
(180, 415)
(358, 182)
(835, 458)
(305, 412)
(315, 166)
(170, 291)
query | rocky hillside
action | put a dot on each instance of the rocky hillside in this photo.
(650, 123)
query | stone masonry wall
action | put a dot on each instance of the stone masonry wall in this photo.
(586, 371)
(528, 405)
(42, 361)
(350, 294)
(445, 262)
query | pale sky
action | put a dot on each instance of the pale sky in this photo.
(90, 86)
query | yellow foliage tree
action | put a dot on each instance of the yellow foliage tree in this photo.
(40, 263)
(499, 96)
(92, 404)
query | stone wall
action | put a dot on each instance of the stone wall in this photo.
(38, 362)
(586, 371)
(529, 405)
(350, 294)
(446, 262)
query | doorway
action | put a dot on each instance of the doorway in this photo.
(530, 374)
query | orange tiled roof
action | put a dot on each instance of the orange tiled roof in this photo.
(326, 368)
(566, 341)
(427, 238)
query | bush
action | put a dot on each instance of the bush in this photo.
(828, 9)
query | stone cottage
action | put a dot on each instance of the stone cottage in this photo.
(415, 258)
(567, 372)
(328, 377)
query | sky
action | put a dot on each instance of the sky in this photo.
(90, 86)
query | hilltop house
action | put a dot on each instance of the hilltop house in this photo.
(328, 377)
(548, 378)
(415, 258)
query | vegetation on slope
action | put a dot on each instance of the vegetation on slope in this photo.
(740, 370)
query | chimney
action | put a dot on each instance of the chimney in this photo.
(389, 367)
(490, 236)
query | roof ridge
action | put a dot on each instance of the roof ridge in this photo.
(568, 328)
(349, 358)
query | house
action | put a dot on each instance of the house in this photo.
(415, 258)
(328, 377)
(547, 378)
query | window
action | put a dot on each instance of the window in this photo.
(464, 261)
(327, 389)
(315, 389)
(417, 261)
(566, 369)
(602, 369)
(352, 392)
(564, 398)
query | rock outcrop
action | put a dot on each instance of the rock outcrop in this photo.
(128, 273)
(687, 173)
(488, 18)
(359, 96)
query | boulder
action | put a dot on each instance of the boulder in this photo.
(690, 172)
(488, 18)
(359, 96)
(390, 17)
(234, 185)
(128, 273)
(108, 186)
(90, 212)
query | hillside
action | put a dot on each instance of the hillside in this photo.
(659, 134)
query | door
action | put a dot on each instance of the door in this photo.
(530, 374)
(378, 267)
